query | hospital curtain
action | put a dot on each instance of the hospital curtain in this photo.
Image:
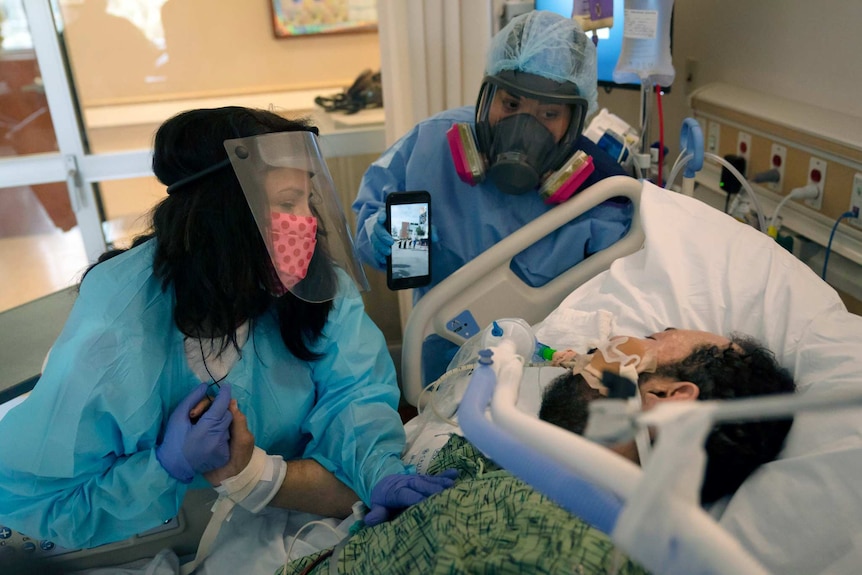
(432, 55)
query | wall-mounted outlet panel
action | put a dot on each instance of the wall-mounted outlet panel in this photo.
(817, 177)
(743, 147)
(856, 201)
(777, 160)
(713, 137)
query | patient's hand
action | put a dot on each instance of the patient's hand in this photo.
(560, 358)
(241, 448)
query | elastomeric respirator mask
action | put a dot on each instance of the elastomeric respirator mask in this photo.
(513, 144)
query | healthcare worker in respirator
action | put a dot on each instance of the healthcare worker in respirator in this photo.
(539, 87)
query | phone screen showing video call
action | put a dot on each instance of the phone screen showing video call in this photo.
(409, 221)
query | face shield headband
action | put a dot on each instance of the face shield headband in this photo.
(294, 203)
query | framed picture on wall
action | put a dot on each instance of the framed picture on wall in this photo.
(292, 18)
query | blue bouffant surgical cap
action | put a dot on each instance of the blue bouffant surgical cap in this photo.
(548, 45)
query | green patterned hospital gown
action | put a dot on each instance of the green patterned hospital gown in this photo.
(489, 522)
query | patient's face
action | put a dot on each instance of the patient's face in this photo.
(565, 401)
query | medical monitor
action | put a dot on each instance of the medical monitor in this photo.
(610, 41)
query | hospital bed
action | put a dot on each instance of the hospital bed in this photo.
(700, 269)
(683, 264)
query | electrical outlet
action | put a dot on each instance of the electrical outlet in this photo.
(856, 201)
(817, 177)
(743, 147)
(777, 159)
(713, 137)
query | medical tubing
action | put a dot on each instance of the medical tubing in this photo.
(311, 523)
(832, 237)
(660, 135)
(583, 458)
(761, 219)
(795, 194)
(593, 505)
(678, 165)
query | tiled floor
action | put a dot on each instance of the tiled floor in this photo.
(36, 257)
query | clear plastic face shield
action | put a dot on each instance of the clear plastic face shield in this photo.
(294, 203)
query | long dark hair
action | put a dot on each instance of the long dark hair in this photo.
(208, 246)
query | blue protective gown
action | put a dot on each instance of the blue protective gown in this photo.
(82, 470)
(470, 219)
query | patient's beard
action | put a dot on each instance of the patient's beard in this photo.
(565, 402)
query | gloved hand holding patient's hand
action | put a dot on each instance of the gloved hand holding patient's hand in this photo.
(189, 448)
(381, 239)
(394, 493)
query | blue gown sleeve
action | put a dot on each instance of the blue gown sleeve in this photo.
(356, 431)
(386, 174)
(81, 470)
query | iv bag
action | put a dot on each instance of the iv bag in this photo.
(645, 55)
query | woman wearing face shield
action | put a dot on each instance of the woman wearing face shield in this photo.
(228, 347)
(539, 87)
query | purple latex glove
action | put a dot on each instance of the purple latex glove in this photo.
(394, 493)
(189, 448)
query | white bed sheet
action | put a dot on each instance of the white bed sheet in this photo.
(701, 269)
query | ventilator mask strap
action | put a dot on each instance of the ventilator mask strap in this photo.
(628, 358)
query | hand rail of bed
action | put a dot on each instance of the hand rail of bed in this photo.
(489, 289)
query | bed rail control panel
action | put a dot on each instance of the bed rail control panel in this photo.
(21, 554)
(14, 544)
(463, 325)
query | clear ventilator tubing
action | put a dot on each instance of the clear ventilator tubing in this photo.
(594, 506)
(678, 166)
(662, 525)
(688, 187)
(761, 219)
(584, 458)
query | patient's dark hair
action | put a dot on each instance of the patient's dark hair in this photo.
(209, 248)
(734, 451)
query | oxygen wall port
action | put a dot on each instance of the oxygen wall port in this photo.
(777, 159)
(816, 177)
(713, 137)
(743, 147)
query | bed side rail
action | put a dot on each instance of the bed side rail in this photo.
(486, 288)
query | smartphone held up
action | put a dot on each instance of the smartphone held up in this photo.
(408, 218)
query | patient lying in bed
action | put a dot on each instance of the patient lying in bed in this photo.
(682, 365)
(490, 521)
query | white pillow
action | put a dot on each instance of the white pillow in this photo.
(701, 269)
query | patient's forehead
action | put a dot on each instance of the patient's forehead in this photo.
(673, 345)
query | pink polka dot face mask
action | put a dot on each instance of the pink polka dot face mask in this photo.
(293, 239)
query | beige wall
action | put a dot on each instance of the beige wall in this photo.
(213, 48)
(778, 47)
